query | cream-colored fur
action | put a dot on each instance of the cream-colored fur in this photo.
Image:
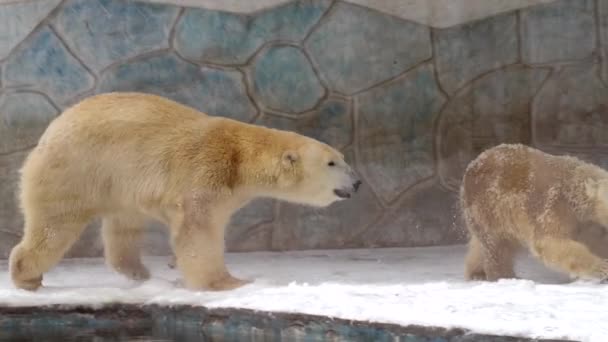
(514, 197)
(128, 156)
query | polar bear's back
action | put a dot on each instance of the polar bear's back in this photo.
(115, 145)
(512, 188)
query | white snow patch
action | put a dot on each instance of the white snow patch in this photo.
(403, 286)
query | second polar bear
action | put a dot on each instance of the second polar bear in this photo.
(514, 196)
(128, 156)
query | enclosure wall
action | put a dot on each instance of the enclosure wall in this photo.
(410, 90)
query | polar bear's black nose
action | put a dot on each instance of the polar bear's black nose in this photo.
(356, 185)
(341, 193)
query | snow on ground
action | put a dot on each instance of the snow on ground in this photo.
(403, 286)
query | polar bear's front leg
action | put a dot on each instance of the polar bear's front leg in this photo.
(198, 244)
(572, 257)
(199, 253)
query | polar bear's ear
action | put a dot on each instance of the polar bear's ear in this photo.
(289, 158)
(602, 190)
(590, 188)
(597, 189)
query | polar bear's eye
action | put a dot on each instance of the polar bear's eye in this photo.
(331, 163)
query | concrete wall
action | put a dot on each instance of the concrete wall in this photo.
(410, 90)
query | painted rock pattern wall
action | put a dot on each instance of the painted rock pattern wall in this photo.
(410, 103)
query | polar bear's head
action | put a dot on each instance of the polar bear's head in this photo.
(315, 174)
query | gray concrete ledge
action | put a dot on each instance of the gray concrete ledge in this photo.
(185, 323)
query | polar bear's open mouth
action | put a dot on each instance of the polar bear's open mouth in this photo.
(342, 193)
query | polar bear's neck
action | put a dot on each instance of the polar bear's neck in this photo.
(254, 152)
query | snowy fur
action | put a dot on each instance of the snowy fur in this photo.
(513, 196)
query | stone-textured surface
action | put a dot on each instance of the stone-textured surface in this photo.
(560, 31)
(352, 56)
(410, 222)
(301, 227)
(492, 110)
(23, 118)
(332, 123)
(11, 220)
(90, 243)
(157, 239)
(284, 80)
(228, 38)
(602, 17)
(572, 109)
(338, 226)
(359, 79)
(19, 19)
(466, 51)
(396, 131)
(44, 63)
(105, 31)
(251, 227)
(213, 91)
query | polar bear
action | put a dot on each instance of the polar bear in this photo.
(514, 196)
(129, 156)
